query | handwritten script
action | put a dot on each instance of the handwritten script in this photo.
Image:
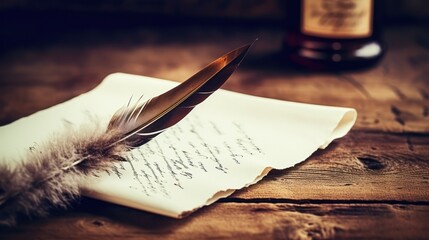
(193, 150)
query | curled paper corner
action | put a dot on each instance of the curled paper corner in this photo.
(343, 126)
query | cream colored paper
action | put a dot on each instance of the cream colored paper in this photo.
(228, 142)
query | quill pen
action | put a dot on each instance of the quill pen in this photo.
(51, 176)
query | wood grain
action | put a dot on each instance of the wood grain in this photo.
(235, 221)
(392, 97)
(373, 183)
(359, 167)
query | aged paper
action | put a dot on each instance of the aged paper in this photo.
(228, 142)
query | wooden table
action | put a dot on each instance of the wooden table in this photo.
(373, 183)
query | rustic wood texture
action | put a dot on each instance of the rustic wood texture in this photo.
(360, 167)
(235, 221)
(373, 183)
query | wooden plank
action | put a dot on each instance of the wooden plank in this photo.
(401, 116)
(401, 74)
(100, 220)
(360, 166)
(20, 100)
(377, 84)
(366, 185)
(392, 97)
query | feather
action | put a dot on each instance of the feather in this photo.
(50, 176)
(140, 123)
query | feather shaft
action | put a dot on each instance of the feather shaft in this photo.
(167, 109)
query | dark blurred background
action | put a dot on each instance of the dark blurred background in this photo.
(51, 51)
(29, 21)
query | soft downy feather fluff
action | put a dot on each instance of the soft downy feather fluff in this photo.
(51, 175)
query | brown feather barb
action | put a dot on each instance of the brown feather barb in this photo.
(51, 176)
